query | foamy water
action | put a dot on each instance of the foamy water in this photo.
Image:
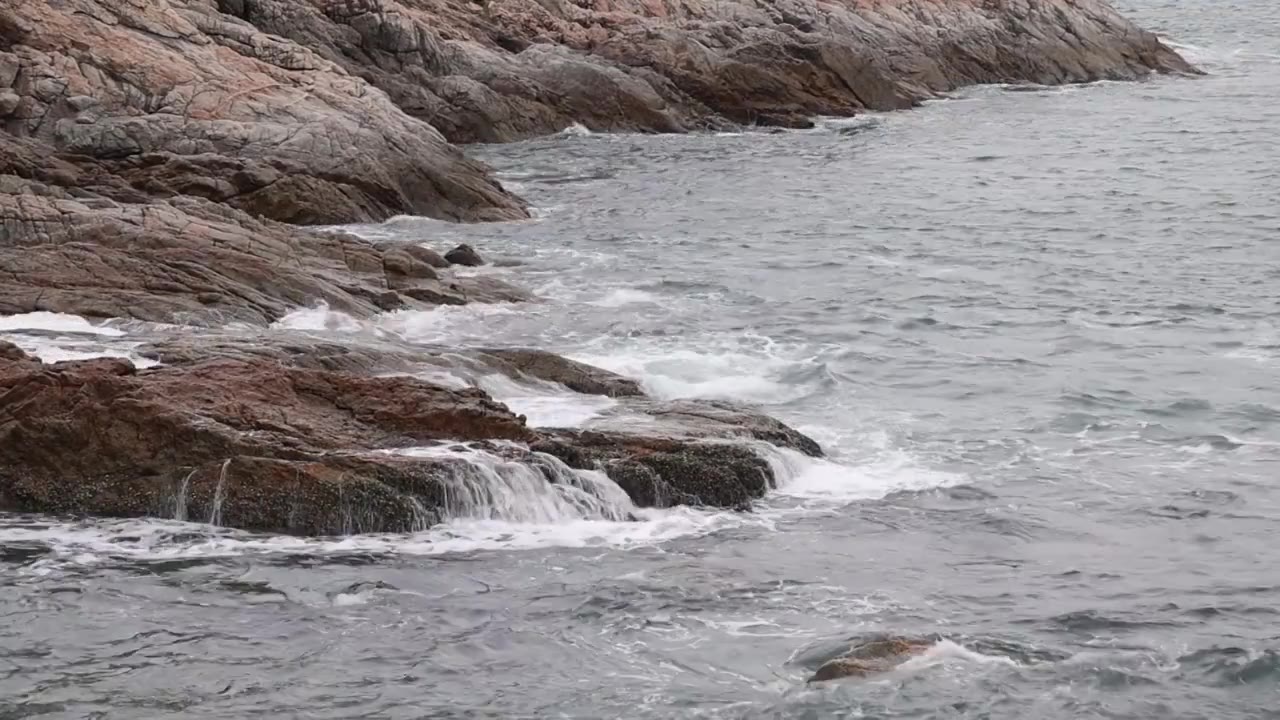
(1034, 328)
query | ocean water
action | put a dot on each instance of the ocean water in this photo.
(1037, 330)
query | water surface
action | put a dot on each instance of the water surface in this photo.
(1036, 329)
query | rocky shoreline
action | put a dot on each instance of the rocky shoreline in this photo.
(159, 161)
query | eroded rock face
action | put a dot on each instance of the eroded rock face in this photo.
(173, 97)
(507, 69)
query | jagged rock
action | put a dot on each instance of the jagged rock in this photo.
(13, 353)
(464, 255)
(188, 100)
(873, 656)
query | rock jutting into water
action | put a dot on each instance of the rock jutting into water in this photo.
(157, 159)
(258, 441)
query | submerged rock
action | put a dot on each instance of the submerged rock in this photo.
(576, 376)
(874, 656)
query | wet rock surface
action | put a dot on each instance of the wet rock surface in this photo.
(872, 656)
(464, 255)
(300, 437)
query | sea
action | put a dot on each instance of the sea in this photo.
(1036, 329)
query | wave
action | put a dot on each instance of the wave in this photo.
(59, 337)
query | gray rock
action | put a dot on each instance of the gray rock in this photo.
(9, 102)
(464, 255)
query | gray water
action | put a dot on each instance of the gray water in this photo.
(1038, 331)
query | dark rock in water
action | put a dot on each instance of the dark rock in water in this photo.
(464, 255)
(576, 376)
(701, 419)
(871, 657)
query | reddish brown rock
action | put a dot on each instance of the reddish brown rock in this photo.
(284, 449)
(294, 438)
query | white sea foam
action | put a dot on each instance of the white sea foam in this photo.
(316, 318)
(620, 297)
(711, 374)
(55, 323)
(576, 130)
(58, 337)
(948, 652)
(822, 482)
(545, 404)
(52, 351)
(91, 542)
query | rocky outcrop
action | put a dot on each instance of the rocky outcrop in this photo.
(74, 238)
(500, 70)
(303, 438)
(174, 98)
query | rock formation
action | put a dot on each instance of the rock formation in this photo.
(177, 98)
(500, 70)
(157, 158)
(263, 436)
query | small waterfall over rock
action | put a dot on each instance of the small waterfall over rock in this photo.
(537, 488)
(219, 493)
(180, 497)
